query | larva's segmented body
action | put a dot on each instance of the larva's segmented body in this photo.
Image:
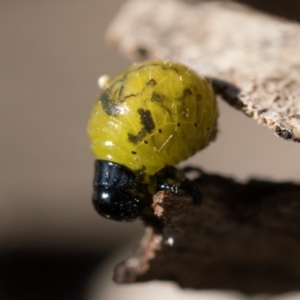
(151, 116)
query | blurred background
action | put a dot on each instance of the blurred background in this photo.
(51, 240)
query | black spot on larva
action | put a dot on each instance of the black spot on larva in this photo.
(109, 106)
(145, 142)
(199, 97)
(195, 124)
(146, 119)
(208, 128)
(178, 124)
(187, 92)
(261, 111)
(159, 130)
(123, 99)
(157, 97)
(137, 138)
(151, 82)
(133, 152)
(296, 116)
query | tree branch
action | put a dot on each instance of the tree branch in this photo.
(242, 237)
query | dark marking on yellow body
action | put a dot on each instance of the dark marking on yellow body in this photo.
(146, 119)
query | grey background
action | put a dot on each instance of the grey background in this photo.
(51, 55)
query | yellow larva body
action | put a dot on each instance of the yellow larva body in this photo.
(154, 114)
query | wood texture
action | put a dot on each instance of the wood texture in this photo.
(243, 237)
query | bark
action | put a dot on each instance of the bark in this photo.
(243, 237)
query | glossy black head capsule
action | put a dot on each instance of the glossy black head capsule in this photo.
(115, 192)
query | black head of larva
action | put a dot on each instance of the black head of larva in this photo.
(115, 192)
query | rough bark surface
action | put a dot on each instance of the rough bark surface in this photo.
(254, 56)
(243, 237)
(288, 9)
